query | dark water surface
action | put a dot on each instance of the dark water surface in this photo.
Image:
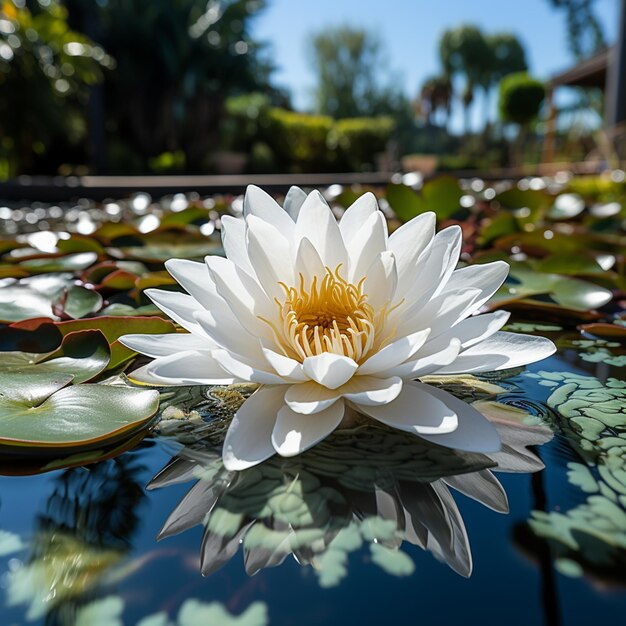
(78, 546)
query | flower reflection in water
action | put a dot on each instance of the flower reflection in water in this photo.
(367, 485)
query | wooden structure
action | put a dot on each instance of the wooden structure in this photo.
(606, 70)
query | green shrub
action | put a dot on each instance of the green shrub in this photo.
(298, 140)
(245, 116)
(360, 139)
(262, 160)
(168, 162)
(520, 98)
(303, 142)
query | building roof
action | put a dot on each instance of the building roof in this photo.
(588, 73)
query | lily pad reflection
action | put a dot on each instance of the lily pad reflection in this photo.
(589, 537)
(369, 485)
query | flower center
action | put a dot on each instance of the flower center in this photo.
(331, 315)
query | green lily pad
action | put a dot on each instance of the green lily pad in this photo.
(441, 195)
(185, 217)
(76, 416)
(44, 335)
(567, 206)
(572, 293)
(80, 302)
(160, 252)
(67, 263)
(47, 295)
(571, 264)
(538, 201)
(82, 356)
(20, 302)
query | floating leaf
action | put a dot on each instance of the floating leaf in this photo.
(536, 200)
(614, 331)
(80, 302)
(573, 293)
(77, 416)
(185, 217)
(566, 206)
(160, 252)
(82, 356)
(441, 195)
(19, 302)
(67, 263)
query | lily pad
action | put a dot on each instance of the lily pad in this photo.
(45, 335)
(441, 194)
(20, 302)
(572, 293)
(76, 416)
(67, 263)
(42, 412)
(80, 302)
(614, 331)
(82, 356)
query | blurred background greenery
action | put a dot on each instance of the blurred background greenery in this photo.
(185, 86)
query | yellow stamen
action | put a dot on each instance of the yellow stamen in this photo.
(331, 315)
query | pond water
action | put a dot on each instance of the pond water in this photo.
(362, 529)
(371, 525)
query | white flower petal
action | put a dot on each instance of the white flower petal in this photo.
(475, 329)
(440, 314)
(308, 263)
(317, 222)
(367, 245)
(237, 366)
(293, 201)
(445, 253)
(179, 306)
(248, 441)
(310, 397)
(381, 281)
(407, 243)
(294, 432)
(415, 411)
(244, 296)
(328, 369)
(431, 359)
(474, 433)
(269, 254)
(189, 367)
(371, 391)
(194, 278)
(228, 333)
(395, 353)
(234, 242)
(257, 202)
(499, 352)
(356, 215)
(164, 345)
(488, 277)
(285, 367)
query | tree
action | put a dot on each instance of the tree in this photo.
(177, 62)
(45, 71)
(436, 96)
(521, 97)
(464, 52)
(520, 100)
(585, 33)
(347, 63)
(507, 56)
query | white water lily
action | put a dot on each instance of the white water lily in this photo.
(330, 318)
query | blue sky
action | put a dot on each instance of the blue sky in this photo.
(410, 30)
